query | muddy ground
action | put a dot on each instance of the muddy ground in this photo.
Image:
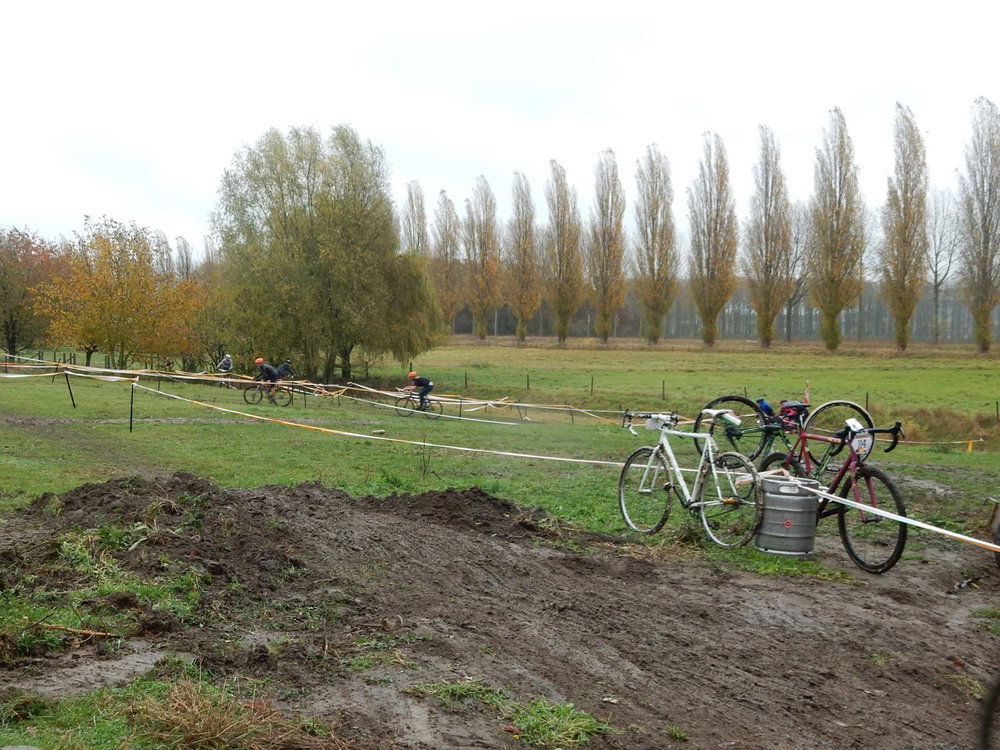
(659, 644)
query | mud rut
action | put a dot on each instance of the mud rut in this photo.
(468, 586)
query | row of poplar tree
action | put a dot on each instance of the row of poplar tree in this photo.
(310, 259)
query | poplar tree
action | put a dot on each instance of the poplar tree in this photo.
(712, 213)
(563, 257)
(482, 255)
(768, 261)
(606, 245)
(903, 253)
(837, 231)
(655, 264)
(446, 267)
(521, 277)
(979, 209)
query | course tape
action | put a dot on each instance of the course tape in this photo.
(777, 473)
(331, 431)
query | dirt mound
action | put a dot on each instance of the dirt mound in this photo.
(348, 606)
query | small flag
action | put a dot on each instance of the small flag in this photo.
(805, 394)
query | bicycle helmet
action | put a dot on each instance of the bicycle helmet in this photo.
(259, 361)
(412, 375)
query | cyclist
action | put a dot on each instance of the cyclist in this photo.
(225, 368)
(268, 375)
(285, 369)
(425, 386)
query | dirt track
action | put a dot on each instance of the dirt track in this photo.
(466, 586)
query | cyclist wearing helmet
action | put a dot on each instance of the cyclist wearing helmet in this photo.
(268, 375)
(225, 368)
(425, 386)
(285, 369)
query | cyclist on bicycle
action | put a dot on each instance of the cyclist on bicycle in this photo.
(225, 368)
(268, 375)
(285, 369)
(424, 384)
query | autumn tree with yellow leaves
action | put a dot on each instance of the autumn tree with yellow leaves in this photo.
(656, 261)
(606, 245)
(113, 299)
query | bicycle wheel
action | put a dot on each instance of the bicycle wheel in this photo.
(282, 397)
(873, 542)
(253, 394)
(434, 409)
(782, 461)
(989, 731)
(645, 491)
(404, 406)
(748, 437)
(729, 500)
(830, 417)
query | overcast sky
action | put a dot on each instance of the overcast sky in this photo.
(133, 110)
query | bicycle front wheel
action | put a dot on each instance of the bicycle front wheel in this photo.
(748, 437)
(283, 397)
(253, 394)
(873, 542)
(404, 406)
(730, 500)
(645, 491)
(831, 417)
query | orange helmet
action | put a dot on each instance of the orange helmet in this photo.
(412, 375)
(259, 361)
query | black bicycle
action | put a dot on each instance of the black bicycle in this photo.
(256, 392)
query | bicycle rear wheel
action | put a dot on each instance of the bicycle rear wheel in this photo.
(873, 542)
(831, 417)
(283, 397)
(645, 491)
(434, 409)
(253, 394)
(730, 500)
(404, 406)
(747, 438)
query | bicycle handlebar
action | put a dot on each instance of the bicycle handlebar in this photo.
(848, 433)
(669, 419)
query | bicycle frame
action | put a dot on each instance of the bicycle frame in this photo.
(667, 429)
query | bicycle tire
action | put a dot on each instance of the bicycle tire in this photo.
(434, 409)
(283, 397)
(748, 437)
(989, 728)
(404, 406)
(781, 460)
(828, 418)
(873, 542)
(253, 394)
(730, 500)
(643, 507)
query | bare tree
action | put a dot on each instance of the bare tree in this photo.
(979, 201)
(837, 238)
(446, 268)
(943, 237)
(563, 258)
(185, 266)
(521, 277)
(714, 238)
(482, 255)
(655, 262)
(606, 245)
(767, 238)
(414, 229)
(903, 251)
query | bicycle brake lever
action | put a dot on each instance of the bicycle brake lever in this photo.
(895, 431)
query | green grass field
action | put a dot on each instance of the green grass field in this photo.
(562, 459)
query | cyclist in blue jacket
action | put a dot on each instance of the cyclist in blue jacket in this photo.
(424, 384)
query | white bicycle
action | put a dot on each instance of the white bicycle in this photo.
(726, 494)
